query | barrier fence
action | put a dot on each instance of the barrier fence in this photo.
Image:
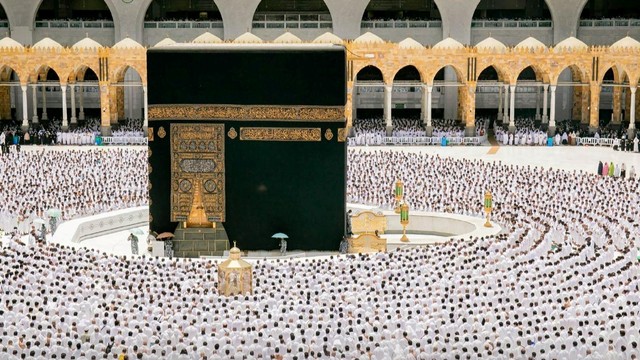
(595, 141)
(422, 141)
(122, 140)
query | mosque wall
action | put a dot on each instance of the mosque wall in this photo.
(605, 36)
(68, 37)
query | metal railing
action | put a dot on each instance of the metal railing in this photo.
(74, 24)
(321, 21)
(424, 141)
(187, 24)
(610, 23)
(492, 24)
(400, 24)
(595, 141)
(124, 140)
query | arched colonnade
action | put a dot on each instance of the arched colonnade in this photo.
(586, 66)
(68, 69)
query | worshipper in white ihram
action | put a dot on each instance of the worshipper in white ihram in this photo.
(506, 296)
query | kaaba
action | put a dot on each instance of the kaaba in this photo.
(250, 137)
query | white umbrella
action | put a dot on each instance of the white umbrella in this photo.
(54, 212)
(280, 236)
(39, 221)
(137, 231)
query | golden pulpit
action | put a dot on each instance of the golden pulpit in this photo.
(368, 222)
(367, 243)
(367, 226)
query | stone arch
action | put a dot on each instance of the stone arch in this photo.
(408, 73)
(609, 9)
(576, 72)
(48, 9)
(369, 73)
(78, 72)
(439, 72)
(4, 15)
(578, 96)
(501, 74)
(375, 78)
(619, 72)
(533, 9)
(126, 97)
(489, 88)
(614, 82)
(383, 9)
(445, 97)
(540, 72)
(46, 72)
(9, 94)
(200, 10)
(407, 91)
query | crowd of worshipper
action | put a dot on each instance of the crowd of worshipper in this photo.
(76, 182)
(613, 170)
(84, 132)
(561, 281)
(373, 131)
(527, 133)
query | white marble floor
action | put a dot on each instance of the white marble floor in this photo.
(558, 157)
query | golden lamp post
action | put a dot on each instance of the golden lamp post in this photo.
(488, 206)
(404, 220)
(399, 194)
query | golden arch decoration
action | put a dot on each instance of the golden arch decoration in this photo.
(397, 70)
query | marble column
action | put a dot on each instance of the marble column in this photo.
(145, 124)
(500, 114)
(34, 119)
(44, 102)
(65, 121)
(74, 120)
(81, 98)
(631, 132)
(388, 90)
(512, 107)
(537, 103)
(505, 117)
(25, 109)
(429, 106)
(552, 111)
(632, 115)
(545, 107)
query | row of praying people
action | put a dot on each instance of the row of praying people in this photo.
(610, 169)
(79, 182)
(560, 282)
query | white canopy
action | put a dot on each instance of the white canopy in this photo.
(448, 43)
(207, 38)
(164, 42)
(127, 43)
(247, 38)
(47, 43)
(327, 38)
(87, 43)
(531, 43)
(491, 44)
(410, 43)
(368, 38)
(626, 42)
(8, 42)
(287, 38)
(571, 44)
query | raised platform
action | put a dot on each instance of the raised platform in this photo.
(199, 242)
(428, 228)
